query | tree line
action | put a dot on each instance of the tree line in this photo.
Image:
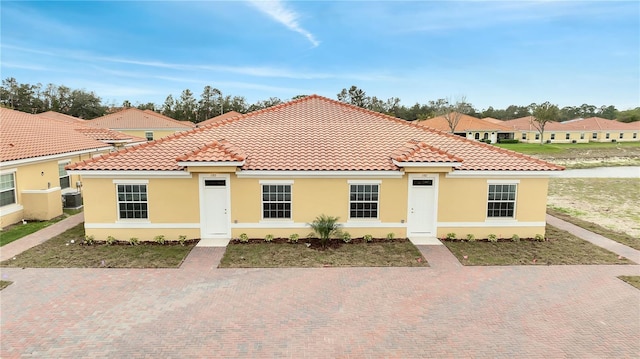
(212, 102)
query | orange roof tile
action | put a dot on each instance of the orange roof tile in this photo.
(492, 120)
(602, 124)
(28, 136)
(419, 151)
(527, 124)
(466, 123)
(315, 133)
(216, 151)
(224, 116)
(60, 116)
(133, 118)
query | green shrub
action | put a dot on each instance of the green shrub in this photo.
(111, 240)
(539, 238)
(134, 241)
(182, 239)
(368, 238)
(505, 140)
(294, 238)
(243, 238)
(390, 236)
(492, 238)
(89, 240)
(159, 239)
(325, 227)
(471, 237)
(451, 236)
(346, 237)
(515, 238)
(268, 238)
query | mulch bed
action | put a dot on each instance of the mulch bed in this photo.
(314, 243)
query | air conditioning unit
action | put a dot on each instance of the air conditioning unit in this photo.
(574, 141)
(72, 200)
(614, 140)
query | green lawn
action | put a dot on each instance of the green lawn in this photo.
(561, 248)
(19, 230)
(558, 148)
(59, 252)
(258, 254)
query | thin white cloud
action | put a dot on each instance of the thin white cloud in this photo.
(279, 12)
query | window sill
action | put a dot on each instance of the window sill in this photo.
(10, 208)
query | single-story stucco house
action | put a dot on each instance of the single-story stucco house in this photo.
(273, 171)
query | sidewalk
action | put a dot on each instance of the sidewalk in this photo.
(596, 239)
(16, 247)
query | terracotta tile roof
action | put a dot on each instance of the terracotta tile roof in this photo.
(27, 136)
(108, 136)
(133, 118)
(466, 123)
(60, 116)
(492, 120)
(419, 151)
(224, 116)
(527, 124)
(315, 133)
(216, 151)
(602, 124)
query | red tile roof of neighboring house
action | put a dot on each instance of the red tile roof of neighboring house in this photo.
(224, 116)
(133, 118)
(108, 136)
(466, 123)
(28, 136)
(314, 133)
(60, 116)
(492, 120)
(602, 124)
(527, 124)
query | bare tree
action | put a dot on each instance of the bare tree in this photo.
(543, 114)
(451, 111)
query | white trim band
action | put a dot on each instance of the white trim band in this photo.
(211, 164)
(129, 174)
(503, 174)
(141, 225)
(319, 174)
(53, 157)
(491, 223)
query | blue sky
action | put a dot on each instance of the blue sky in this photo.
(494, 53)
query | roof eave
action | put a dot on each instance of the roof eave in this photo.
(211, 163)
(427, 164)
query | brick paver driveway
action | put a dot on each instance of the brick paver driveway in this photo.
(200, 311)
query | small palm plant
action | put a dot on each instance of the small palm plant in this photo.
(325, 227)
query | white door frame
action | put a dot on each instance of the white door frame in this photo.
(201, 179)
(432, 176)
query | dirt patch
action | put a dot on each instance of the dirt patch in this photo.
(610, 202)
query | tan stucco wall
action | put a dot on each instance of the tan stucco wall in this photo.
(575, 136)
(42, 205)
(177, 201)
(11, 218)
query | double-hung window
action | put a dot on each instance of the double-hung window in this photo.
(276, 201)
(65, 182)
(363, 200)
(7, 189)
(501, 200)
(132, 201)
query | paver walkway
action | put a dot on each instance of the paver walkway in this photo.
(198, 310)
(16, 247)
(596, 239)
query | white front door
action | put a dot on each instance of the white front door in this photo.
(215, 207)
(421, 221)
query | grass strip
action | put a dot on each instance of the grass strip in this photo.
(256, 254)
(619, 237)
(561, 248)
(4, 284)
(633, 280)
(59, 252)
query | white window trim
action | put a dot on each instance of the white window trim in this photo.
(275, 183)
(132, 220)
(12, 172)
(515, 201)
(65, 162)
(375, 219)
(146, 135)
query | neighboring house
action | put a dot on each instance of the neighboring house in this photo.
(60, 117)
(224, 116)
(492, 120)
(470, 127)
(603, 130)
(273, 171)
(146, 124)
(554, 132)
(34, 151)
(593, 129)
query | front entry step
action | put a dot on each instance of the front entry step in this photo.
(213, 242)
(428, 241)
